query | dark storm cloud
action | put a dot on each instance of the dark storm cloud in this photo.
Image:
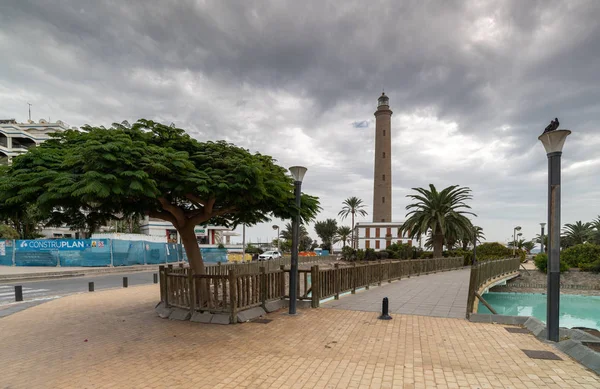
(474, 80)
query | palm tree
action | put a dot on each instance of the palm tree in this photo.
(538, 239)
(470, 238)
(304, 240)
(438, 212)
(342, 235)
(577, 233)
(326, 230)
(528, 246)
(595, 236)
(352, 205)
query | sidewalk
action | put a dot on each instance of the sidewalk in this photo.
(114, 339)
(20, 273)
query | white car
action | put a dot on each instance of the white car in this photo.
(269, 255)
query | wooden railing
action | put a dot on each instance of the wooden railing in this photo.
(254, 266)
(486, 272)
(328, 283)
(237, 291)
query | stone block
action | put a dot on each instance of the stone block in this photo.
(503, 319)
(480, 318)
(220, 318)
(582, 335)
(566, 345)
(180, 314)
(201, 317)
(162, 311)
(535, 326)
(275, 305)
(250, 314)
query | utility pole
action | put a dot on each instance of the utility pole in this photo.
(29, 111)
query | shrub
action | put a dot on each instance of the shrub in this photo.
(593, 267)
(426, 254)
(348, 253)
(541, 262)
(581, 255)
(7, 232)
(370, 255)
(489, 251)
(382, 255)
(399, 251)
(360, 254)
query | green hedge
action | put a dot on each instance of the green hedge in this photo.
(488, 251)
(541, 262)
(584, 256)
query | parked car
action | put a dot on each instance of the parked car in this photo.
(267, 255)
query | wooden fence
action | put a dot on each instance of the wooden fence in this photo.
(242, 289)
(487, 271)
(254, 266)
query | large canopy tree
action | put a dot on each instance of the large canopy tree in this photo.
(439, 213)
(151, 169)
(326, 230)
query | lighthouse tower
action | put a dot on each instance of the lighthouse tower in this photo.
(382, 178)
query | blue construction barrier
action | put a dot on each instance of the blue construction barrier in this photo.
(87, 252)
(213, 255)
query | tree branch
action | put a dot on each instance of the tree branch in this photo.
(197, 219)
(164, 216)
(174, 210)
(195, 199)
(209, 205)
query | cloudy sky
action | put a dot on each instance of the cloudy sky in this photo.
(471, 83)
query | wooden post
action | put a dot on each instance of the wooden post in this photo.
(472, 289)
(282, 281)
(233, 296)
(161, 273)
(337, 279)
(354, 278)
(389, 271)
(367, 272)
(191, 291)
(219, 268)
(315, 287)
(380, 272)
(263, 287)
(166, 273)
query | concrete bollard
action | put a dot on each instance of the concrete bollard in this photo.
(18, 293)
(385, 310)
(90, 286)
(155, 278)
(125, 282)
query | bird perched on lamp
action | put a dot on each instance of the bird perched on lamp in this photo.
(552, 126)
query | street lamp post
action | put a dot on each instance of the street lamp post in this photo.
(542, 238)
(553, 142)
(517, 228)
(298, 173)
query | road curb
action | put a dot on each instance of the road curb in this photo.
(74, 273)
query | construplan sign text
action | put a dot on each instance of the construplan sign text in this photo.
(58, 244)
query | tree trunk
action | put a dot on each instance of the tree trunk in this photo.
(192, 250)
(438, 245)
(352, 231)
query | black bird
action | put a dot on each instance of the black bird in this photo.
(552, 126)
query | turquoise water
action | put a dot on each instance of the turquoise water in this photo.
(575, 310)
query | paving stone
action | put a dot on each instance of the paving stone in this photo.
(220, 318)
(201, 317)
(162, 311)
(180, 314)
(250, 314)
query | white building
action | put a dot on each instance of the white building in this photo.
(378, 235)
(17, 138)
(207, 236)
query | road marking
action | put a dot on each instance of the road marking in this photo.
(25, 291)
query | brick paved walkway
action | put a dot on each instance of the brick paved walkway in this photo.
(440, 294)
(129, 347)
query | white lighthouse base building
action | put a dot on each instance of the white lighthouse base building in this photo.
(378, 235)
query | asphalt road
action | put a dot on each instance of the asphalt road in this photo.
(47, 289)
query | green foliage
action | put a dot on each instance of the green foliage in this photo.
(348, 253)
(7, 232)
(221, 246)
(541, 262)
(581, 255)
(370, 255)
(342, 235)
(326, 230)
(305, 242)
(150, 169)
(488, 251)
(251, 249)
(400, 251)
(360, 254)
(593, 267)
(578, 233)
(442, 213)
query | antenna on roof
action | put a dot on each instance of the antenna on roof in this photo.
(29, 110)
